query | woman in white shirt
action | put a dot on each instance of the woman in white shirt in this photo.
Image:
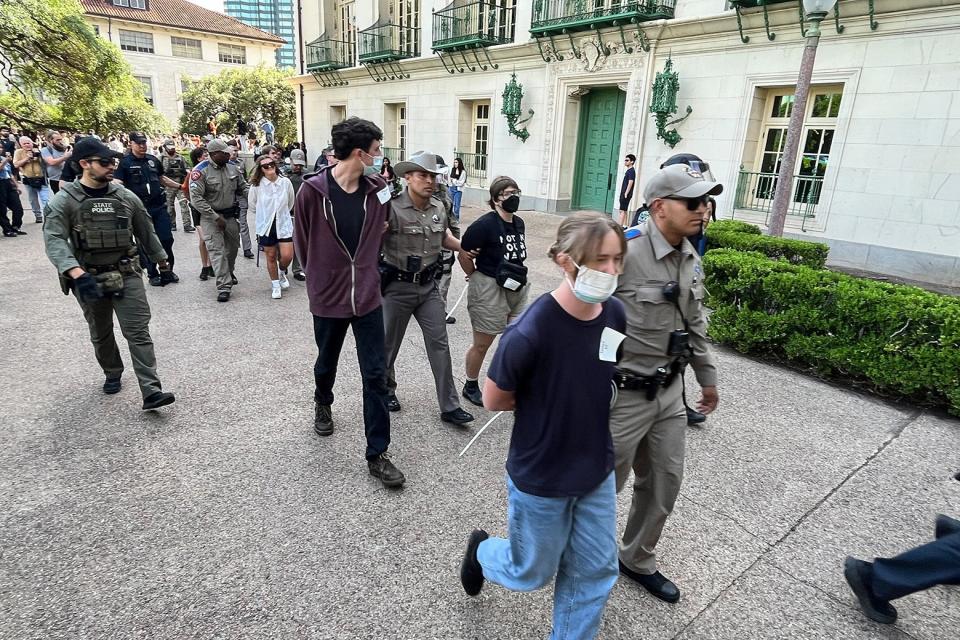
(458, 178)
(271, 200)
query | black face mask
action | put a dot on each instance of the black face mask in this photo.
(511, 204)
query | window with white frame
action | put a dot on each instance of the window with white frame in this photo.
(407, 14)
(186, 48)
(147, 83)
(402, 126)
(133, 4)
(137, 41)
(346, 28)
(232, 53)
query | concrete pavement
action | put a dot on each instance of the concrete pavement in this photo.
(224, 516)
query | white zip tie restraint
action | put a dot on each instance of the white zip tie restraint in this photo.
(482, 429)
(457, 303)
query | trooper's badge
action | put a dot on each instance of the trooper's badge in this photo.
(152, 166)
(436, 217)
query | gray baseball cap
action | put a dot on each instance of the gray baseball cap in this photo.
(297, 157)
(681, 181)
(217, 145)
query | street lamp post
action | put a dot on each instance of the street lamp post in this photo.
(816, 11)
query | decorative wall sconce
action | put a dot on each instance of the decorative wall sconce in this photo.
(663, 104)
(512, 97)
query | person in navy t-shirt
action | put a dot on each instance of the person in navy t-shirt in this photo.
(554, 369)
(626, 188)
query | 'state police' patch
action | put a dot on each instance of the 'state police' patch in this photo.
(194, 175)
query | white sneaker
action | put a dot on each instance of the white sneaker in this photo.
(276, 293)
(284, 283)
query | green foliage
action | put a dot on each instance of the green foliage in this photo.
(62, 75)
(731, 234)
(250, 94)
(892, 339)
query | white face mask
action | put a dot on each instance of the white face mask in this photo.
(592, 286)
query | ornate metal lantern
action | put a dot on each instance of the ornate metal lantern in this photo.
(663, 103)
(512, 98)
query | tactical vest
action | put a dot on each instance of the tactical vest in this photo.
(174, 167)
(102, 233)
(143, 179)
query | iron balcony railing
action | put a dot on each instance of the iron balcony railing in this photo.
(327, 54)
(389, 42)
(755, 191)
(556, 16)
(481, 23)
(396, 154)
(475, 165)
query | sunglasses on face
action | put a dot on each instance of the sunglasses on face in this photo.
(692, 203)
(105, 162)
(269, 165)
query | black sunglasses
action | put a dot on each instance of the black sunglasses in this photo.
(269, 165)
(104, 162)
(692, 203)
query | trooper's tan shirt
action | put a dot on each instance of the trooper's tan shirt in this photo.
(414, 232)
(651, 262)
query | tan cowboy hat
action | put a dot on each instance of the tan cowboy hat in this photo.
(419, 161)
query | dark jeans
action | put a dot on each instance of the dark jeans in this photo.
(164, 229)
(10, 199)
(934, 563)
(371, 353)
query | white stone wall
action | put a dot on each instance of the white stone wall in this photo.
(166, 71)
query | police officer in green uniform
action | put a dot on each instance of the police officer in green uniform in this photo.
(662, 291)
(215, 189)
(89, 230)
(175, 168)
(410, 267)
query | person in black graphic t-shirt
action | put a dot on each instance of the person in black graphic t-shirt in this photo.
(498, 286)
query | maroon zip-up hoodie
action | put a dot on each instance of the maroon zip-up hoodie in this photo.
(339, 286)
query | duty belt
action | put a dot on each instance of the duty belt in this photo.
(416, 277)
(230, 212)
(650, 384)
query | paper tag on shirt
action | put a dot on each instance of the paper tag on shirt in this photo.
(383, 195)
(511, 284)
(610, 341)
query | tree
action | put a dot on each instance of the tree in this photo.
(248, 94)
(61, 75)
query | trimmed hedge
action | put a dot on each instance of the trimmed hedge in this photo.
(895, 340)
(732, 234)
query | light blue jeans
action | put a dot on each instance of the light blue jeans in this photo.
(574, 539)
(38, 199)
(456, 195)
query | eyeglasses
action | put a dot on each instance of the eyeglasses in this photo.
(507, 194)
(269, 165)
(692, 203)
(105, 162)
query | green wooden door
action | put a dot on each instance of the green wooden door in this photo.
(598, 149)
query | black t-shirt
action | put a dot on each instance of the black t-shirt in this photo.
(347, 212)
(487, 234)
(142, 176)
(95, 193)
(561, 444)
(629, 175)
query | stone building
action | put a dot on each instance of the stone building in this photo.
(170, 42)
(875, 177)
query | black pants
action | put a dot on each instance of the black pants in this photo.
(926, 566)
(10, 199)
(162, 225)
(371, 352)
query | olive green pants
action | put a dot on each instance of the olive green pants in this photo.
(133, 314)
(649, 437)
(222, 247)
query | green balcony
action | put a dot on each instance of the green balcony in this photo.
(389, 42)
(327, 54)
(552, 17)
(473, 24)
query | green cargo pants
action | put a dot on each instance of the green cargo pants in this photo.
(133, 313)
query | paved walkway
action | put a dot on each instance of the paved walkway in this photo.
(225, 516)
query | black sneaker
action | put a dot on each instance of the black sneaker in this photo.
(206, 273)
(322, 419)
(248, 254)
(173, 227)
(381, 468)
(695, 417)
(393, 405)
(157, 400)
(189, 229)
(20, 232)
(859, 574)
(233, 279)
(458, 416)
(656, 583)
(168, 277)
(157, 281)
(471, 573)
(451, 320)
(471, 391)
(223, 296)
(111, 386)
(10, 233)
(946, 526)
(39, 220)
(299, 276)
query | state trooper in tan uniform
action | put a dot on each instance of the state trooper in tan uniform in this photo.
(662, 291)
(215, 189)
(410, 267)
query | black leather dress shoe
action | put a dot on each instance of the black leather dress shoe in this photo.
(393, 404)
(157, 400)
(458, 416)
(471, 573)
(298, 276)
(859, 575)
(223, 296)
(656, 583)
(451, 320)
(946, 526)
(111, 386)
(695, 417)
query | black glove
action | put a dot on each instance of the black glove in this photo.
(86, 288)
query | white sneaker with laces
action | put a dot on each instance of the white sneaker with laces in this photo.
(276, 293)
(284, 283)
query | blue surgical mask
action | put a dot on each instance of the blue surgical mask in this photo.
(375, 167)
(592, 286)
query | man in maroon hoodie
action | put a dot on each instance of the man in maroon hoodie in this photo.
(341, 215)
